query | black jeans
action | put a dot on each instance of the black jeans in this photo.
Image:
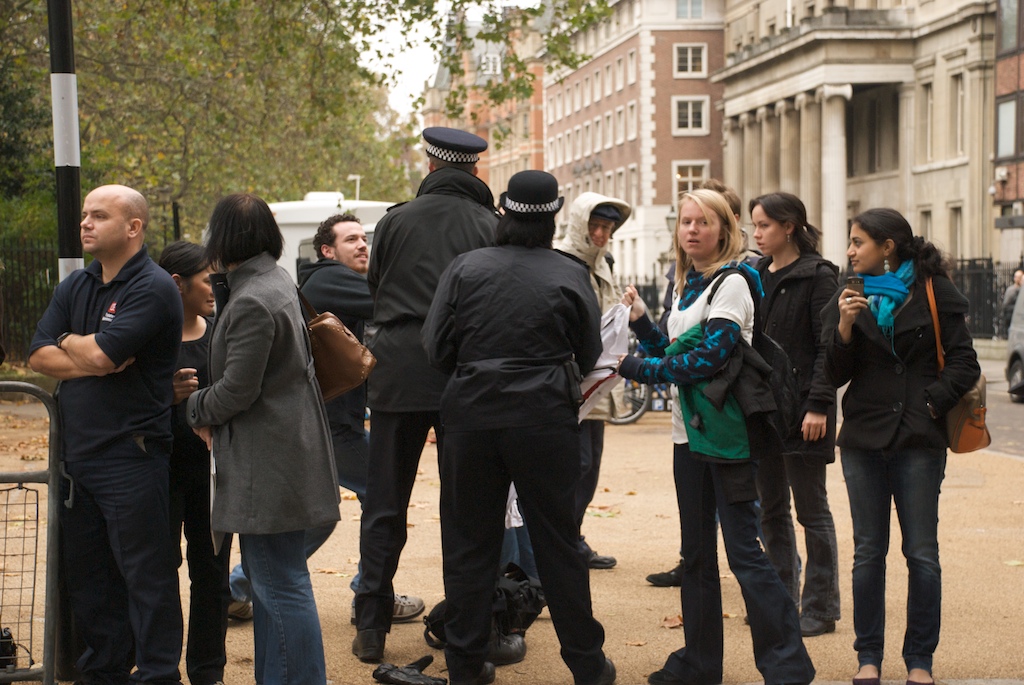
(591, 449)
(476, 469)
(774, 625)
(806, 476)
(209, 595)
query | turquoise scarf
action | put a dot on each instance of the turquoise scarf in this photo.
(887, 293)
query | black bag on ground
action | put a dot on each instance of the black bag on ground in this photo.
(518, 601)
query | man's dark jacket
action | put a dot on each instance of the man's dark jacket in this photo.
(791, 315)
(413, 244)
(330, 286)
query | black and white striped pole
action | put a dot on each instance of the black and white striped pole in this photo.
(67, 156)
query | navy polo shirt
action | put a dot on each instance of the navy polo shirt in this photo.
(137, 314)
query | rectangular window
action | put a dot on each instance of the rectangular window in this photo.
(609, 130)
(608, 80)
(631, 121)
(691, 60)
(587, 140)
(597, 183)
(956, 231)
(551, 110)
(690, 115)
(558, 150)
(927, 110)
(490, 64)
(620, 183)
(620, 125)
(689, 174)
(631, 67)
(597, 85)
(689, 9)
(598, 139)
(634, 186)
(956, 114)
(620, 74)
(577, 100)
(577, 140)
(586, 92)
(558, 106)
(925, 224)
(1008, 24)
(1006, 128)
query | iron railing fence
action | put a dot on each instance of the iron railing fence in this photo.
(28, 275)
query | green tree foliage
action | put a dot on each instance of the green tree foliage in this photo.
(188, 100)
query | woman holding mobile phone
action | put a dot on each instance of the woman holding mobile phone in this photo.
(893, 440)
(190, 472)
(798, 284)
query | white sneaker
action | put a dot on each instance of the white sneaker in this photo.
(407, 608)
(240, 611)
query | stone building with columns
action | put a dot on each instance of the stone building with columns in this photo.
(853, 104)
(638, 120)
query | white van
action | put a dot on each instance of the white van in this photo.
(299, 220)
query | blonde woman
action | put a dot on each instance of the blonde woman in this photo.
(707, 240)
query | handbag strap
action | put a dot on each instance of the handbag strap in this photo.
(935, 322)
(311, 312)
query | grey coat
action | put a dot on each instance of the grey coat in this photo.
(271, 442)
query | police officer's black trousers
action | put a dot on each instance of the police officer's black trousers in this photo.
(396, 442)
(476, 469)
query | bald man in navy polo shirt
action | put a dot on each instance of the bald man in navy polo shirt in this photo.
(111, 335)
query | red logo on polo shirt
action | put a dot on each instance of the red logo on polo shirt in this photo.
(111, 310)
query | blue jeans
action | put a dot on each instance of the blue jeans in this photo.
(289, 647)
(912, 478)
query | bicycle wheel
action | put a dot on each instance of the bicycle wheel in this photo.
(638, 401)
(637, 395)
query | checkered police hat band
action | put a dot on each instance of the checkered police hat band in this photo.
(524, 208)
(451, 155)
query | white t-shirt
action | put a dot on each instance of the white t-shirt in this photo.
(732, 302)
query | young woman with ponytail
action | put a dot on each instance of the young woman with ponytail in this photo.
(893, 440)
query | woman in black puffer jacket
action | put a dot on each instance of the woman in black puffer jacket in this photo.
(798, 284)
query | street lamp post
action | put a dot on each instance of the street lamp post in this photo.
(670, 219)
(356, 178)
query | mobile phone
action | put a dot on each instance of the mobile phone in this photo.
(855, 283)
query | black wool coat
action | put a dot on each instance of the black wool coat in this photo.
(412, 246)
(791, 315)
(891, 384)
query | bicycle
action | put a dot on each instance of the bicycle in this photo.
(641, 397)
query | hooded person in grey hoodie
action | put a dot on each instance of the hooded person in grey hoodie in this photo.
(593, 219)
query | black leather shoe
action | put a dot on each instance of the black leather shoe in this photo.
(673, 578)
(665, 677)
(503, 650)
(486, 676)
(601, 562)
(368, 645)
(812, 627)
(607, 676)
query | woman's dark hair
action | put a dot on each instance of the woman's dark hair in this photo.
(183, 258)
(786, 208)
(883, 224)
(241, 227)
(516, 229)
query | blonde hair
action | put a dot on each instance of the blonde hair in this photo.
(730, 239)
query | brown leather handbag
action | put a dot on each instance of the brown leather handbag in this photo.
(341, 362)
(965, 423)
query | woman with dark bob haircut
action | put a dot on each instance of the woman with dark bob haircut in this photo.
(506, 323)
(798, 283)
(893, 440)
(263, 418)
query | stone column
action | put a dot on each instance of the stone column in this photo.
(833, 171)
(769, 149)
(732, 133)
(751, 158)
(789, 147)
(810, 155)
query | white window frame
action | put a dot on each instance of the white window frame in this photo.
(598, 135)
(558, 150)
(587, 139)
(490, 64)
(689, 12)
(620, 125)
(631, 120)
(608, 83)
(1006, 128)
(577, 142)
(674, 175)
(703, 73)
(620, 73)
(609, 131)
(597, 86)
(631, 67)
(705, 128)
(586, 91)
(551, 109)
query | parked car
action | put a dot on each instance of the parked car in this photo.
(1015, 352)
